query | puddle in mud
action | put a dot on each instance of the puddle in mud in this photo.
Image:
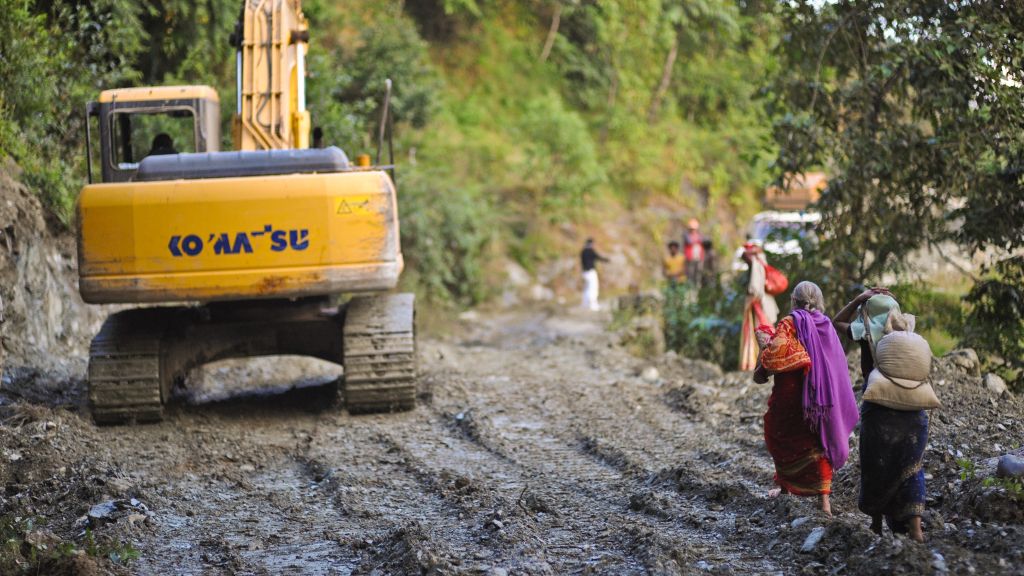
(263, 376)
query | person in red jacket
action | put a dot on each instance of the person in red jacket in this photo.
(693, 251)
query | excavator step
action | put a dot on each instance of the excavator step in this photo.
(380, 354)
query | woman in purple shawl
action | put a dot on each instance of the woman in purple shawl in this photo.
(812, 410)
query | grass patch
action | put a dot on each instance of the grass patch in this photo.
(27, 547)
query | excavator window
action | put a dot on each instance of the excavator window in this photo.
(141, 133)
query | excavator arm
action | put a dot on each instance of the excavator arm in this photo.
(271, 39)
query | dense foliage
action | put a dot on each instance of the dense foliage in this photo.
(996, 320)
(54, 56)
(513, 117)
(916, 107)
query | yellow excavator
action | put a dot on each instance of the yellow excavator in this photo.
(253, 245)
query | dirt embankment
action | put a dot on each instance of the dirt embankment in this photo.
(46, 327)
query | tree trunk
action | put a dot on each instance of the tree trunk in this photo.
(666, 80)
(552, 33)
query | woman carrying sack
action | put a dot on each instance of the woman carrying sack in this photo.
(892, 440)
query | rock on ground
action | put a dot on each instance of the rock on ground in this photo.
(994, 383)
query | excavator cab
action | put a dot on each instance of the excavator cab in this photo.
(138, 122)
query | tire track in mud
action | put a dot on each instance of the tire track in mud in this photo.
(539, 453)
(564, 436)
(234, 499)
(399, 518)
(544, 526)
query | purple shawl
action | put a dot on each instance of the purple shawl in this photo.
(829, 405)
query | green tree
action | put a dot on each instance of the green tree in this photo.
(347, 90)
(54, 57)
(916, 108)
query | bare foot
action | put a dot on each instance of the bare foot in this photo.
(826, 506)
(774, 492)
(915, 529)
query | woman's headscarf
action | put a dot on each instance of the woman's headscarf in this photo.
(828, 402)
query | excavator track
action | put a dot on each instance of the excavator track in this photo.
(124, 369)
(380, 354)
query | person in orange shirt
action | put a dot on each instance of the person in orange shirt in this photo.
(674, 264)
(674, 307)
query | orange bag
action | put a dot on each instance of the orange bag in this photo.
(775, 282)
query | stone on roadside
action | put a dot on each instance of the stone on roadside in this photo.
(994, 383)
(702, 370)
(541, 293)
(966, 359)
(134, 519)
(42, 539)
(813, 539)
(469, 316)
(119, 486)
(650, 374)
(103, 513)
(800, 521)
(516, 275)
(114, 510)
(1010, 466)
(103, 510)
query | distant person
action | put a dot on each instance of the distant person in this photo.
(673, 265)
(674, 309)
(318, 137)
(710, 266)
(588, 261)
(812, 410)
(162, 144)
(892, 442)
(693, 250)
(760, 308)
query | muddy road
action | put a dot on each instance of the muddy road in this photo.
(539, 446)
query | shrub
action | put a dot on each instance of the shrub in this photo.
(940, 315)
(707, 328)
(995, 323)
(445, 233)
(559, 160)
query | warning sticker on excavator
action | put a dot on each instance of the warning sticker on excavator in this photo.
(348, 205)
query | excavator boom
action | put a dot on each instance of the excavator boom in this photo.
(271, 40)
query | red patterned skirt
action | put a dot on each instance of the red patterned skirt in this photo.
(800, 464)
